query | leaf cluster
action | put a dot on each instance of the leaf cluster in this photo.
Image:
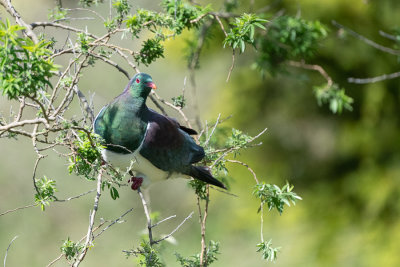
(179, 101)
(70, 249)
(45, 192)
(147, 255)
(238, 140)
(243, 30)
(268, 252)
(274, 196)
(25, 67)
(288, 38)
(336, 98)
(86, 159)
(151, 50)
(83, 41)
(182, 13)
(194, 261)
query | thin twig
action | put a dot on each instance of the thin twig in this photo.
(112, 63)
(388, 36)
(163, 220)
(176, 229)
(112, 223)
(75, 197)
(213, 130)
(91, 221)
(247, 166)
(220, 24)
(374, 79)
(366, 40)
(232, 66)
(34, 173)
(16, 209)
(147, 213)
(55, 260)
(175, 108)
(9, 245)
(303, 65)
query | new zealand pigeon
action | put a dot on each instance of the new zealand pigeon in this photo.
(152, 146)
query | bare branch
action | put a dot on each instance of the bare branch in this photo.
(247, 166)
(16, 209)
(173, 107)
(11, 10)
(232, 66)
(366, 40)
(75, 197)
(303, 65)
(213, 130)
(220, 24)
(147, 213)
(113, 222)
(86, 9)
(388, 36)
(22, 123)
(374, 79)
(176, 229)
(163, 220)
(91, 221)
(8, 248)
(112, 63)
(61, 26)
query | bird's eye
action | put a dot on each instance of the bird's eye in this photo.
(137, 80)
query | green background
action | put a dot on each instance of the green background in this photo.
(346, 167)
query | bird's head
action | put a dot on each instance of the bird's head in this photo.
(141, 85)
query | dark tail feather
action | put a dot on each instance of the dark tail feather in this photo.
(203, 174)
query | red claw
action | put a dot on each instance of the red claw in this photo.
(136, 182)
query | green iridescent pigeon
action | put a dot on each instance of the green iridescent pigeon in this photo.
(152, 146)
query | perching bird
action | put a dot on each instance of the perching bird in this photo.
(153, 146)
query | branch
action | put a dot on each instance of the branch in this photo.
(247, 166)
(11, 10)
(366, 40)
(22, 123)
(112, 63)
(173, 107)
(203, 253)
(84, 102)
(163, 220)
(147, 213)
(20, 208)
(232, 66)
(176, 229)
(303, 65)
(374, 79)
(9, 245)
(113, 222)
(61, 26)
(91, 221)
(75, 197)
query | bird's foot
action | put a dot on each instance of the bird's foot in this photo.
(136, 182)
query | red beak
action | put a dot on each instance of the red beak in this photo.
(151, 85)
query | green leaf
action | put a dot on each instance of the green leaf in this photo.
(114, 193)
